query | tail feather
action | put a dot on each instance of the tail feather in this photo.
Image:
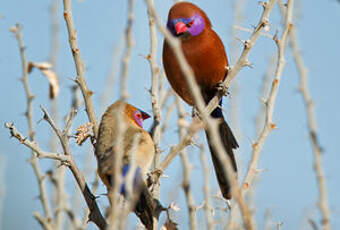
(229, 142)
(147, 208)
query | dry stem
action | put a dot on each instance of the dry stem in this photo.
(80, 79)
(270, 102)
(317, 150)
(17, 30)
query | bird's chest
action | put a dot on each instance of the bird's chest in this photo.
(207, 59)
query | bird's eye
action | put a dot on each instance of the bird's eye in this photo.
(138, 115)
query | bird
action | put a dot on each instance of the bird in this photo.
(205, 53)
(134, 138)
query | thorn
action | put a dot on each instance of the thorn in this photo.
(273, 126)
(247, 44)
(229, 204)
(246, 186)
(248, 64)
(255, 145)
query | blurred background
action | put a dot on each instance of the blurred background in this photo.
(286, 189)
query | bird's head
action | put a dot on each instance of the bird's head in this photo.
(186, 20)
(136, 115)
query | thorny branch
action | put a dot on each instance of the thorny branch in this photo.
(127, 53)
(317, 150)
(196, 124)
(17, 30)
(63, 135)
(270, 101)
(80, 79)
(209, 123)
(186, 170)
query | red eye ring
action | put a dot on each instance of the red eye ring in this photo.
(138, 115)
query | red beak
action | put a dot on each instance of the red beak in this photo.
(145, 115)
(180, 27)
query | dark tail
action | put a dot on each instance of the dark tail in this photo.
(229, 142)
(146, 207)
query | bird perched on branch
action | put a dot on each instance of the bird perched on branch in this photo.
(121, 129)
(204, 51)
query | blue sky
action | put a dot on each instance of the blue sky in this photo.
(287, 187)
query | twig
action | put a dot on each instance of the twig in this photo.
(155, 97)
(127, 53)
(65, 159)
(80, 79)
(17, 30)
(169, 110)
(95, 214)
(206, 188)
(42, 221)
(196, 125)
(39, 153)
(270, 102)
(317, 150)
(259, 121)
(186, 170)
(243, 59)
(211, 125)
(237, 27)
(60, 193)
(111, 77)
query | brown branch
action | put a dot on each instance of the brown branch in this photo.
(80, 79)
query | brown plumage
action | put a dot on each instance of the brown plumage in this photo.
(106, 149)
(205, 53)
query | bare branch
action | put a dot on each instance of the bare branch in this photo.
(42, 221)
(95, 214)
(127, 53)
(270, 102)
(34, 146)
(243, 59)
(313, 134)
(206, 188)
(186, 170)
(17, 30)
(80, 79)
(210, 124)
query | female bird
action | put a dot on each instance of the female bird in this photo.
(106, 153)
(204, 51)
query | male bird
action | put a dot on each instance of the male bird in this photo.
(106, 153)
(204, 51)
